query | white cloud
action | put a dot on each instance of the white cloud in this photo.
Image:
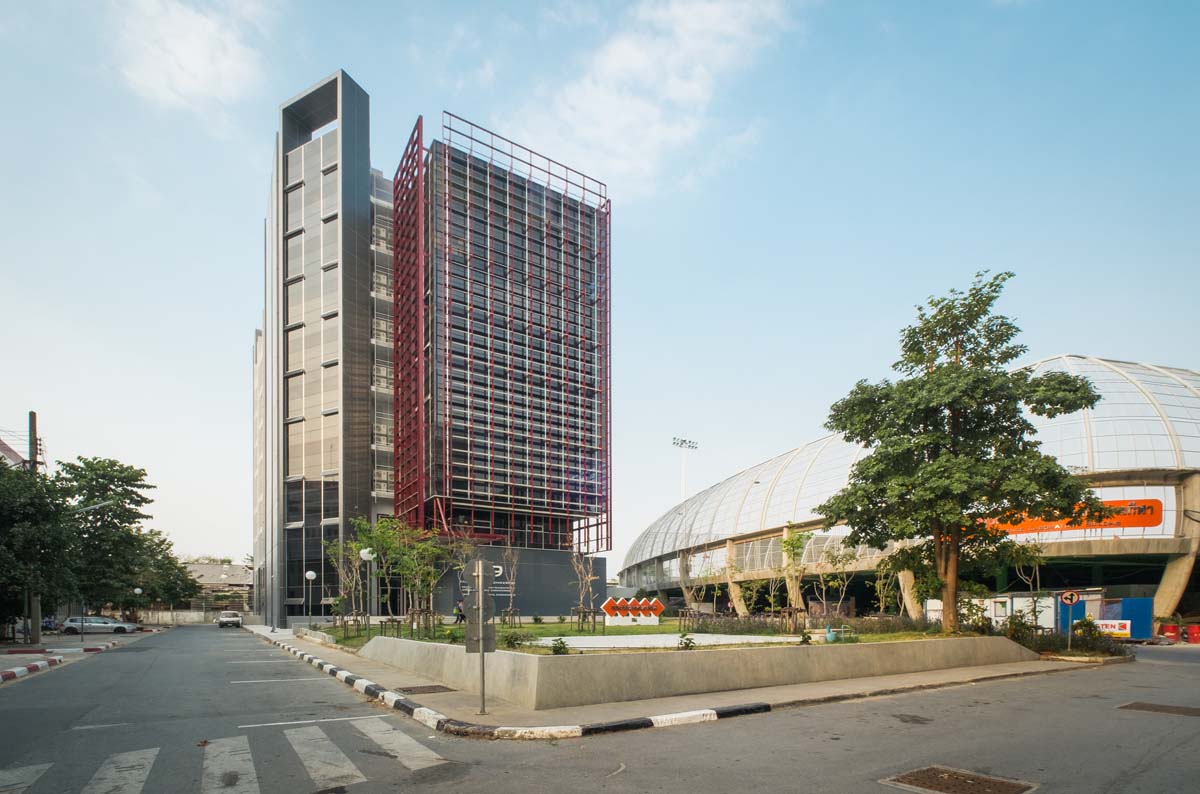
(199, 58)
(645, 94)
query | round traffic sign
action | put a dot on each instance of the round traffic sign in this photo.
(1069, 597)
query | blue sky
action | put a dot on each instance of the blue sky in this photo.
(788, 181)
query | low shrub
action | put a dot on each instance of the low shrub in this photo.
(754, 624)
(562, 618)
(454, 636)
(685, 643)
(888, 624)
(559, 647)
(1087, 638)
(538, 619)
(515, 639)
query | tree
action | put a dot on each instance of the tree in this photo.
(1026, 560)
(952, 455)
(512, 563)
(834, 574)
(383, 539)
(582, 565)
(35, 538)
(108, 553)
(793, 546)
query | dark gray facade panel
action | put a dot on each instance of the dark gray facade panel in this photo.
(546, 583)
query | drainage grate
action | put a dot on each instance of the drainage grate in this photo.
(424, 690)
(944, 780)
(1163, 708)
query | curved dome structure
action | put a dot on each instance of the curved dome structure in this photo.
(1147, 419)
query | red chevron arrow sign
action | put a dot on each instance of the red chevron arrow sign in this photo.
(630, 611)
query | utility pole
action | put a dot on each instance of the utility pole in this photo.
(35, 599)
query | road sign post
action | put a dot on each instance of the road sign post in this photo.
(1069, 598)
(481, 633)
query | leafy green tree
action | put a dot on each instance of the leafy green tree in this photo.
(108, 555)
(793, 546)
(383, 539)
(35, 538)
(952, 452)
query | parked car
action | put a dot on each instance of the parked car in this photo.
(230, 619)
(97, 625)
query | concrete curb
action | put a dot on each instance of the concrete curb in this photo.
(440, 722)
(26, 669)
(73, 649)
(1090, 659)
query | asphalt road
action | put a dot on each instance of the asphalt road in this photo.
(164, 715)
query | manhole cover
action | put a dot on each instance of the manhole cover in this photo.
(425, 690)
(944, 780)
(1163, 708)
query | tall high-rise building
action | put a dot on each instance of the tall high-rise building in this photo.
(318, 359)
(496, 307)
(502, 342)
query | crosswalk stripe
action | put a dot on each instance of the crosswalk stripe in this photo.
(123, 773)
(15, 781)
(406, 749)
(326, 764)
(228, 767)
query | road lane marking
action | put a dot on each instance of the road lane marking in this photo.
(302, 722)
(15, 781)
(123, 773)
(93, 727)
(326, 764)
(273, 680)
(228, 767)
(406, 749)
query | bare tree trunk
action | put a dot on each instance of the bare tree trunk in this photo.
(946, 558)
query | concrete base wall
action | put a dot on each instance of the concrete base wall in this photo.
(547, 682)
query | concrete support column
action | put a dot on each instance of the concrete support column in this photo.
(1179, 567)
(912, 605)
(735, 590)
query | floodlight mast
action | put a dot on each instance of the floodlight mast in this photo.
(684, 445)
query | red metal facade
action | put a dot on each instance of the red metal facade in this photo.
(408, 322)
(502, 343)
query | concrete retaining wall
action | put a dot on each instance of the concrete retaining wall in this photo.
(546, 682)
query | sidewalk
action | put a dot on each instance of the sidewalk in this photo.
(463, 707)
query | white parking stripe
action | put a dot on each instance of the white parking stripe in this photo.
(15, 781)
(123, 773)
(326, 764)
(273, 680)
(228, 767)
(406, 749)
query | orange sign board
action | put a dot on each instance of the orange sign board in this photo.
(626, 607)
(1130, 513)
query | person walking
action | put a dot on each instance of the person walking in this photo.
(460, 614)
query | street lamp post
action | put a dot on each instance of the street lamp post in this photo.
(367, 555)
(310, 576)
(684, 446)
(137, 591)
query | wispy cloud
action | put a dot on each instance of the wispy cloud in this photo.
(194, 57)
(646, 94)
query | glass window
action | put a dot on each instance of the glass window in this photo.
(294, 349)
(329, 338)
(294, 496)
(294, 386)
(294, 201)
(329, 241)
(330, 505)
(330, 392)
(329, 192)
(295, 449)
(293, 300)
(329, 288)
(330, 442)
(294, 265)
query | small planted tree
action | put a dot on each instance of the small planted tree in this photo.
(834, 577)
(512, 561)
(793, 546)
(952, 455)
